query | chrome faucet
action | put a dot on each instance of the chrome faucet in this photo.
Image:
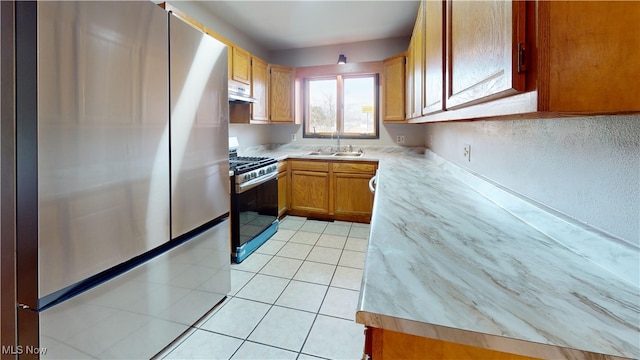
(338, 134)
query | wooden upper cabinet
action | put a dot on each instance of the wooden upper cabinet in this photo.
(408, 82)
(241, 66)
(433, 57)
(229, 57)
(281, 94)
(259, 90)
(393, 93)
(482, 50)
(417, 64)
(589, 56)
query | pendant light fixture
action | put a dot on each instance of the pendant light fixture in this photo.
(342, 59)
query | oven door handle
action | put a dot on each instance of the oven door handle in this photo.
(240, 188)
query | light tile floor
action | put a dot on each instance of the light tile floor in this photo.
(294, 298)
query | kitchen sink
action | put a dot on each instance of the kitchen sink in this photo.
(323, 153)
(348, 153)
(341, 153)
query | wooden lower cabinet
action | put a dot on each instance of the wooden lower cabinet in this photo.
(383, 344)
(283, 188)
(352, 198)
(309, 192)
(310, 187)
(337, 190)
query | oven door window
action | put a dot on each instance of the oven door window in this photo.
(257, 209)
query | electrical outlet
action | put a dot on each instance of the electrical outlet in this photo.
(293, 137)
(467, 152)
(400, 139)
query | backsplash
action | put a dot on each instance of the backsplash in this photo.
(300, 148)
(608, 252)
(583, 167)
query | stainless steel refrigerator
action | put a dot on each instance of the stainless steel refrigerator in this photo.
(122, 178)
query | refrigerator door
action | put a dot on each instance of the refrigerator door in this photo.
(103, 155)
(199, 119)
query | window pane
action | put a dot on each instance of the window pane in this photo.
(322, 106)
(359, 105)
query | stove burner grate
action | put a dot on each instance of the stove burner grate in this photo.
(242, 164)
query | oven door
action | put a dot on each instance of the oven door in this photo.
(254, 209)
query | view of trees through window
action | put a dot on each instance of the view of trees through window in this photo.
(323, 104)
(345, 104)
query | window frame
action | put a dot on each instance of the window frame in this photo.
(339, 122)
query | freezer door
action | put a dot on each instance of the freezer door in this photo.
(137, 314)
(199, 119)
(102, 140)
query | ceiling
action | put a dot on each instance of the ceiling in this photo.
(293, 24)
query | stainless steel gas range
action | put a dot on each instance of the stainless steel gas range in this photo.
(254, 203)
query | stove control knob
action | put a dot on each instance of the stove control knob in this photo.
(261, 172)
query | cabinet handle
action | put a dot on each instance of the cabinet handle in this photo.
(522, 63)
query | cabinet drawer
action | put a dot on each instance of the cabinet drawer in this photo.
(357, 167)
(310, 165)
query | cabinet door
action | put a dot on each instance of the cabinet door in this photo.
(283, 188)
(417, 62)
(241, 66)
(408, 86)
(229, 57)
(352, 196)
(281, 94)
(589, 61)
(310, 191)
(259, 86)
(353, 201)
(433, 57)
(393, 92)
(482, 50)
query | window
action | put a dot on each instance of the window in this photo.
(345, 104)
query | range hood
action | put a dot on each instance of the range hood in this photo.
(240, 93)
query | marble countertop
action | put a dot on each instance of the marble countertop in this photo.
(449, 262)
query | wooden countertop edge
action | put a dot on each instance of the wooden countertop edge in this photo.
(471, 338)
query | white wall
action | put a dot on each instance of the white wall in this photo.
(364, 51)
(587, 168)
(250, 135)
